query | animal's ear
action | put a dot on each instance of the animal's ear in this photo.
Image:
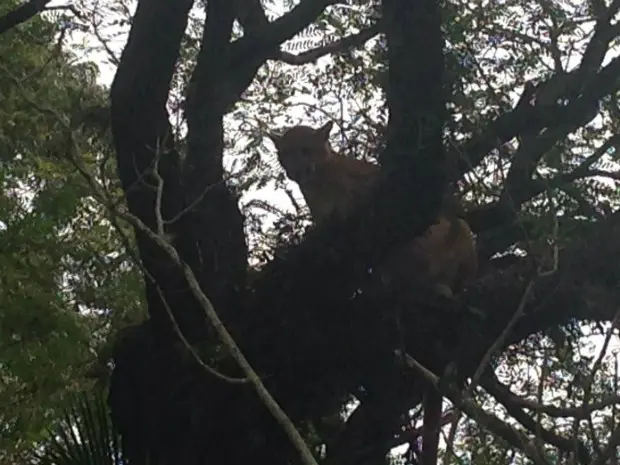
(276, 139)
(323, 131)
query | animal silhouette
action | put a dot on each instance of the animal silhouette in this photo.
(444, 258)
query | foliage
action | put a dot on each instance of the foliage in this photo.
(67, 283)
(84, 435)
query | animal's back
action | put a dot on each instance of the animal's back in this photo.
(445, 252)
(338, 185)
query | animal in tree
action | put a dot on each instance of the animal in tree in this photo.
(444, 257)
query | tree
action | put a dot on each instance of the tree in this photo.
(311, 343)
(64, 287)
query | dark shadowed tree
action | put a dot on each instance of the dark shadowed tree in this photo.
(209, 238)
(315, 326)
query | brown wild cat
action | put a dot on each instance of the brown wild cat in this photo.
(331, 184)
(444, 257)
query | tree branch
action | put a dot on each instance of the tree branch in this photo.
(264, 42)
(462, 401)
(219, 254)
(251, 16)
(503, 396)
(338, 46)
(21, 14)
(404, 202)
(239, 61)
(142, 133)
(526, 117)
(566, 86)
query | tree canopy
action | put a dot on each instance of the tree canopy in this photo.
(156, 207)
(66, 282)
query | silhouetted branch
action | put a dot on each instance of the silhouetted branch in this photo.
(489, 421)
(142, 132)
(251, 16)
(338, 46)
(505, 397)
(266, 40)
(528, 117)
(415, 175)
(21, 14)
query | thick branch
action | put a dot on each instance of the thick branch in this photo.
(266, 41)
(599, 43)
(414, 93)
(238, 62)
(560, 86)
(143, 136)
(496, 222)
(251, 16)
(207, 99)
(21, 14)
(526, 117)
(559, 119)
(212, 220)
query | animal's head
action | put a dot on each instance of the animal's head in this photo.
(302, 148)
